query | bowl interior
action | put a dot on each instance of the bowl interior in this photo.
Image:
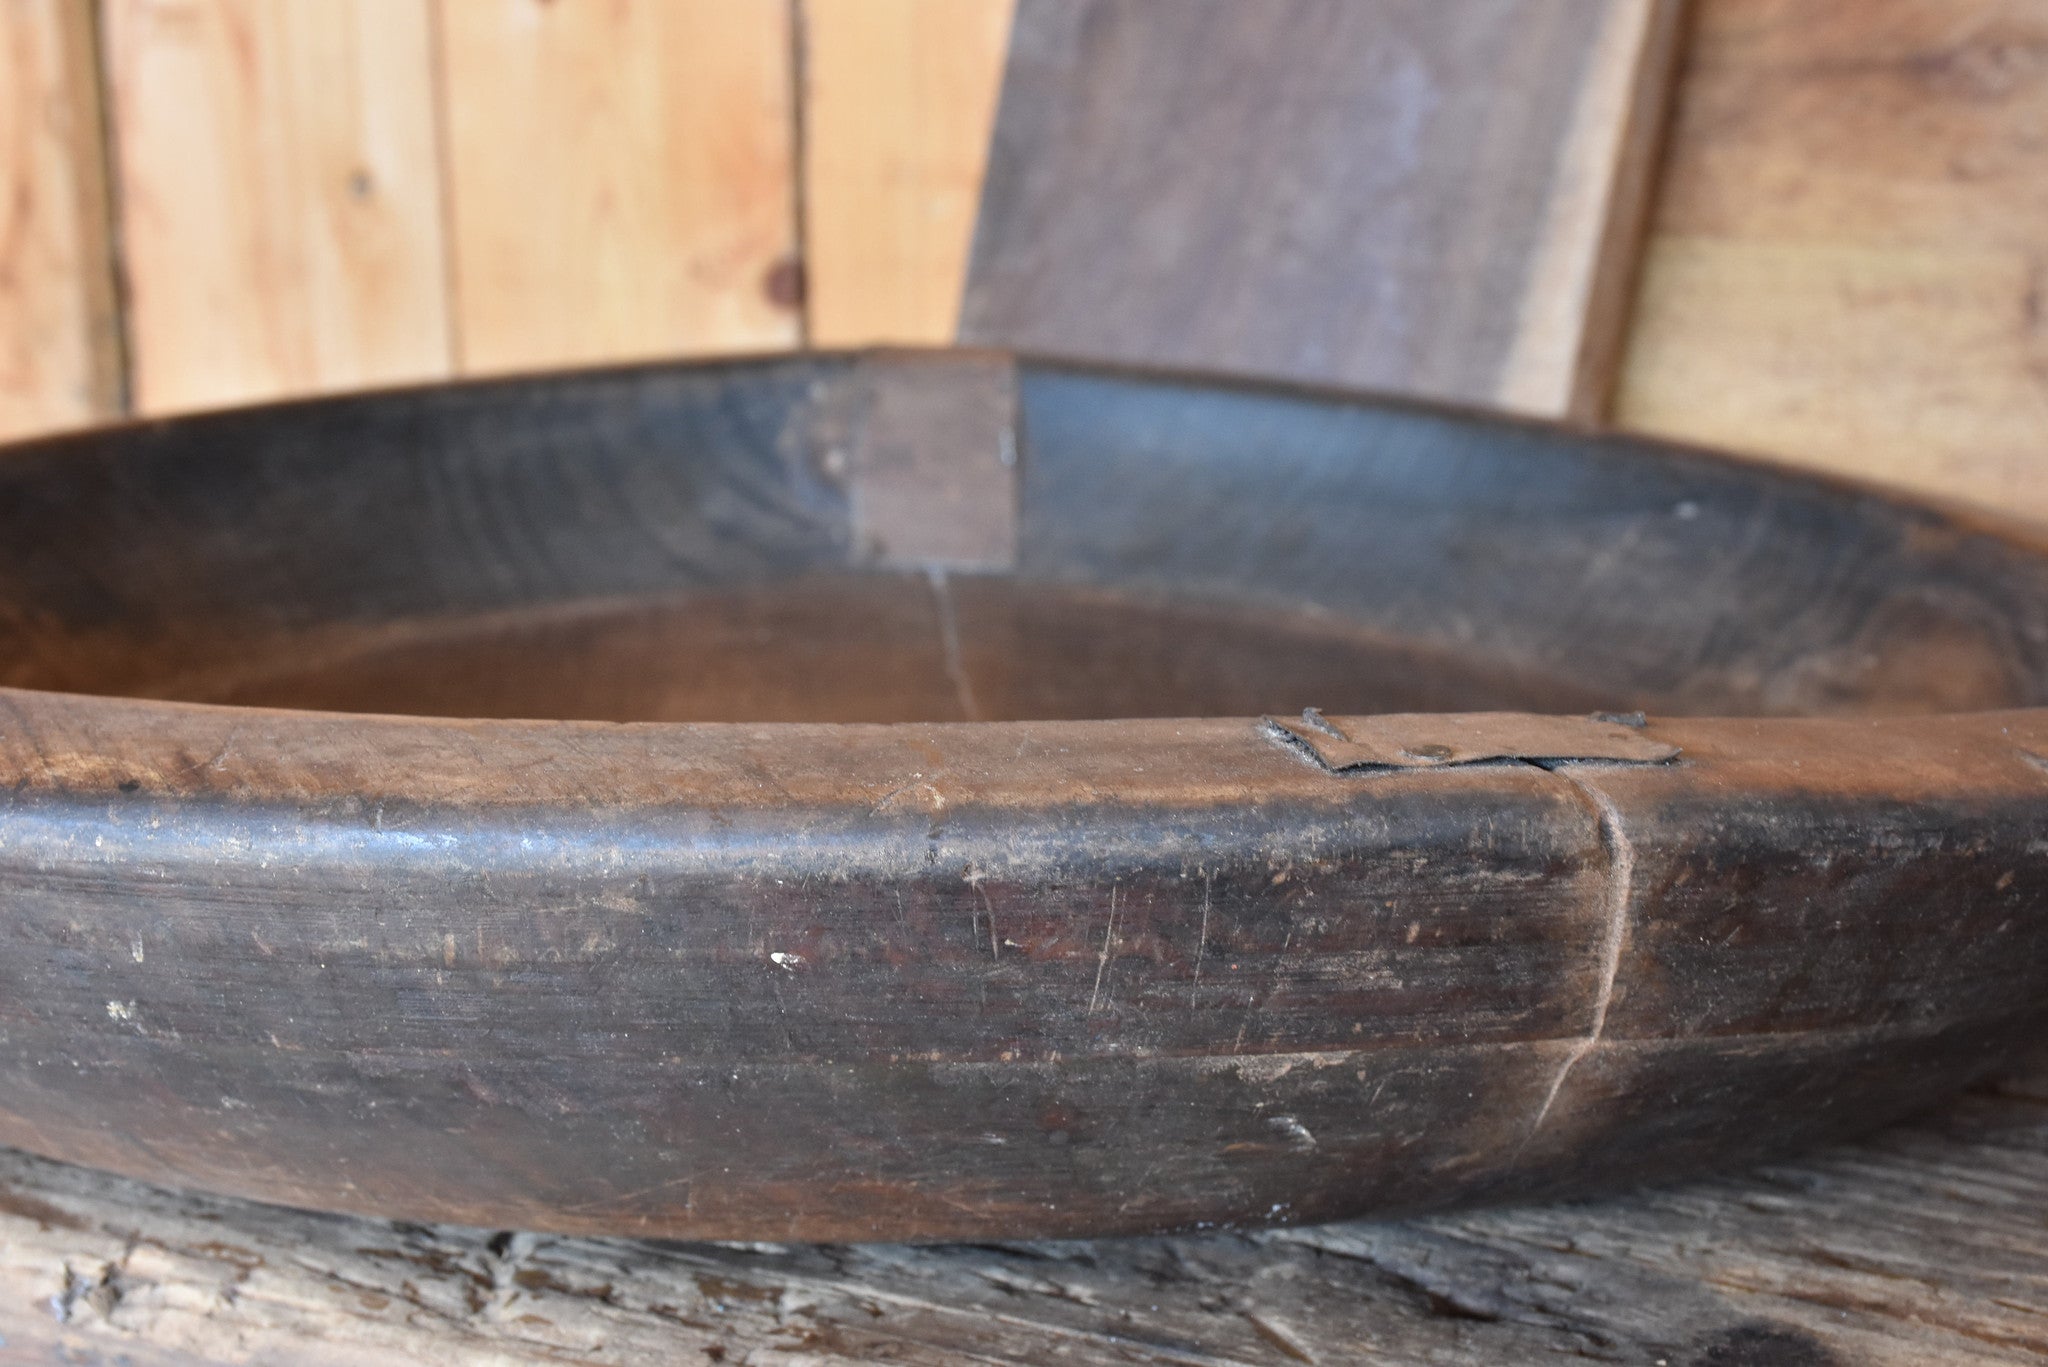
(701, 543)
(878, 648)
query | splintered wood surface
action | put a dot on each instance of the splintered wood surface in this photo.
(1850, 256)
(620, 179)
(1923, 1245)
(279, 189)
(60, 362)
(1408, 196)
(899, 97)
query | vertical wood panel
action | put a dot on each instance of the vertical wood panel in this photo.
(279, 194)
(900, 99)
(1574, 306)
(1849, 262)
(1403, 195)
(621, 178)
(59, 348)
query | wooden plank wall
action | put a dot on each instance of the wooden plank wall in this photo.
(279, 192)
(60, 359)
(900, 97)
(1844, 265)
(621, 179)
(354, 193)
(1849, 262)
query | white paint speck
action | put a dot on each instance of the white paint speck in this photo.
(787, 962)
(1296, 1133)
(121, 1011)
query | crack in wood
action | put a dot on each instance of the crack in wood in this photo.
(1616, 893)
(949, 642)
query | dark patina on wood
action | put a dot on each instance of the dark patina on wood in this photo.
(951, 881)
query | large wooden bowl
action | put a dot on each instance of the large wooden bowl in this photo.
(917, 832)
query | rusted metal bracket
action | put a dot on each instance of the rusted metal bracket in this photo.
(1437, 740)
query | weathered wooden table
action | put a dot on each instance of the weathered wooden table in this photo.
(1927, 1243)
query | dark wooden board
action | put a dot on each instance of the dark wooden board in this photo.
(1409, 196)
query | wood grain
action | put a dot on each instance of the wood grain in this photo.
(620, 178)
(279, 193)
(1922, 1245)
(60, 354)
(900, 100)
(1404, 196)
(1849, 260)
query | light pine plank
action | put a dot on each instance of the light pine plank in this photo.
(1849, 260)
(900, 99)
(279, 190)
(59, 349)
(1407, 196)
(620, 178)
